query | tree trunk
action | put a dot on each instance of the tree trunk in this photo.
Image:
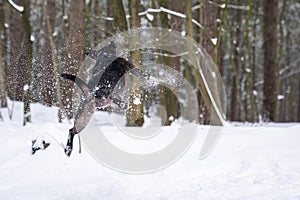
(250, 73)
(298, 99)
(120, 23)
(270, 57)
(48, 75)
(209, 14)
(176, 24)
(28, 61)
(109, 30)
(278, 68)
(237, 110)
(3, 102)
(49, 26)
(168, 100)
(97, 35)
(16, 71)
(135, 112)
(75, 45)
(218, 50)
(188, 70)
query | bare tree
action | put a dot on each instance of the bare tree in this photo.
(251, 68)
(3, 102)
(270, 56)
(120, 23)
(278, 61)
(75, 45)
(28, 62)
(48, 75)
(16, 70)
(109, 22)
(236, 108)
(209, 15)
(135, 113)
(52, 59)
(298, 100)
(176, 24)
(19, 73)
(2, 81)
(167, 98)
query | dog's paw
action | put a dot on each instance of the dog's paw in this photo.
(68, 151)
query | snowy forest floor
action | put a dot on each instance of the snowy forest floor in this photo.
(248, 162)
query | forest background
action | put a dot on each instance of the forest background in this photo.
(254, 43)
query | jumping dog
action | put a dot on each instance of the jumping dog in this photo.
(108, 70)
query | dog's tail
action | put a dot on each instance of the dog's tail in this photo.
(81, 84)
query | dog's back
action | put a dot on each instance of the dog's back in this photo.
(110, 77)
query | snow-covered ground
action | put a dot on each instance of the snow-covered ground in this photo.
(249, 162)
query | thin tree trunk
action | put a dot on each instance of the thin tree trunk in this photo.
(89, 24)
(55, 73)
(109, 23)
(2, 58)
(289, 109)
(120, 23)
(48, 76)
(188, 73)
(97, 35)
(218, 50)
(2, 81)
(168, 100)
(254, 69)
(298, 100)
(3, 54)
(28, 53)
(237, 110)
(209, 16)
(176, 24)
(281, 42)
(135, 113)
(250, 73)
(270, 57)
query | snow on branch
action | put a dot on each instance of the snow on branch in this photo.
(246, 8)
(168, 55)
(17, 7)
(171, 12)
(223, 5)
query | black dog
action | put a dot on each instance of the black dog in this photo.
(107, 71)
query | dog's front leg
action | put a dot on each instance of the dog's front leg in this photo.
(69, 147)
